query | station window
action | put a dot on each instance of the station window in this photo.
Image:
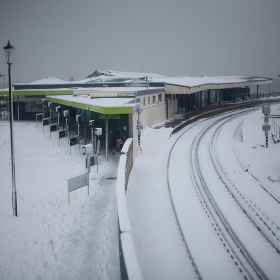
(149, 101)
(154, 99)
(144, 101)
(160, 98)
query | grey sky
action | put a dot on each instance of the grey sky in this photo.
(63, 38)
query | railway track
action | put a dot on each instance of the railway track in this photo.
(263, 222)
(240, 255)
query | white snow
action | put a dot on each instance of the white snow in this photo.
(215, 80)
(107, 75)
(50, 239)
(48, 80)
(98, 102)
(158, 244)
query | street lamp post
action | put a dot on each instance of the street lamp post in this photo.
(9, 51)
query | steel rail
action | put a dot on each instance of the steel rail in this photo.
(216, 214)
(246, 168)
(250, 209)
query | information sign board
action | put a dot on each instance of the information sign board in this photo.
(77, 182)
(266, 127)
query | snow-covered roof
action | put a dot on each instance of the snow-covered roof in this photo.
(110, 75)
(101, 105)
(116, 91)
(101, 102)
(188, 85)
(204, 80)
(48, 80)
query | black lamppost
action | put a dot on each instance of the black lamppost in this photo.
(9, 51)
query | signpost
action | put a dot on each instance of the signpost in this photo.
(42, 115)
(78, 119)
(53, 127)
(61, 134)
(46, 121)
(91, 161)
(76, 183)
(266, 126)
(73, 141)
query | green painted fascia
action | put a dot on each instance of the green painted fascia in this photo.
(42, 92)
(68, 103)
(111, 111)
(101, 110)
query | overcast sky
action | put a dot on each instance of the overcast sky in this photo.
(63, 38)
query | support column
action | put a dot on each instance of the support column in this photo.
(85, 131)
(18, 107)
(106, 135)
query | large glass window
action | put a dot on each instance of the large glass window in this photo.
(154, 99)
(160, 98)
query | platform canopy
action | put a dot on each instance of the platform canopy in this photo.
(106, 106)
(189, 85)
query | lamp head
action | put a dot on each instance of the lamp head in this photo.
(9, 52)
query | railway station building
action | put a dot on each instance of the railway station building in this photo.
(112, 99)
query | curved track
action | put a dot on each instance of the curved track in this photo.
(241, 257)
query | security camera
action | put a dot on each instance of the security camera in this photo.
(49, 104)
(57, 109)
(91, 123)
(98, 131)
(78, 118)
(87, 149)
(65, 113)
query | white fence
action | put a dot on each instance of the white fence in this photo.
(275, 130)
(130, 268)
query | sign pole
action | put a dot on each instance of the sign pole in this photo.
(68, 195)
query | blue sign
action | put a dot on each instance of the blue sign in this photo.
(92, 161)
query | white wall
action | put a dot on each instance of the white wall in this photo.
(172, 106)
(152, 114)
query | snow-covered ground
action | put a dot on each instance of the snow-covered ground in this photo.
(158, 243)
(50, 239)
